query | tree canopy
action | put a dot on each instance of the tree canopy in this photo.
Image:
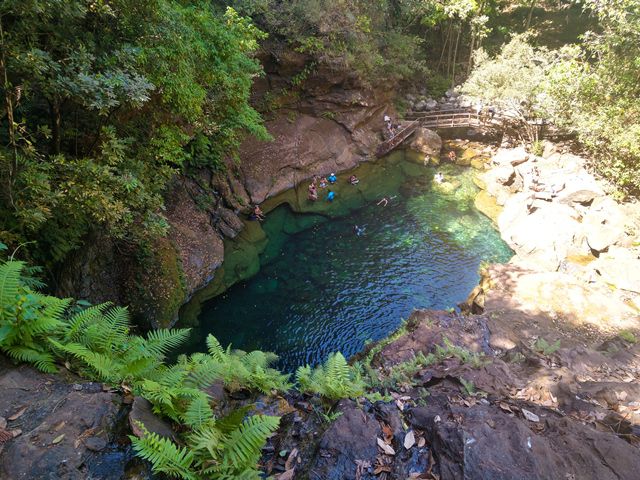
(103, 102)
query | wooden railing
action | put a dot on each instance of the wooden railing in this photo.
(461, 117)
(405, 131)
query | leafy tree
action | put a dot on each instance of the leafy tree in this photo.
(101, 101)
(594, 91)
(513, 81)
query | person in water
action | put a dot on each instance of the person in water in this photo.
(332, 178)
(438, 177)
(359, 231)
(323, 182)
(353, 180)
(331, 195)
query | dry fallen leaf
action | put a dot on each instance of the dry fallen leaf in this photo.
(505, 407)
(532, 417)
(291, 460)
(57, 440)
(409, 440)
(382, 468)
(5, 436)
(387, 433)
(288, 475)
(17, 415)
(388, 449)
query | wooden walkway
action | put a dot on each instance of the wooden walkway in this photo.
(434, 120)
(462, 117)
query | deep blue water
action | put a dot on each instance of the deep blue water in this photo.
(327, 289)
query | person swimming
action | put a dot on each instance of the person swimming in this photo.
(438, 177)
(331, 195)
(332, 178)
(323, 182)
(359, 231)
(353, 180)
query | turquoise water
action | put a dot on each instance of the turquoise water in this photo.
(321, 288)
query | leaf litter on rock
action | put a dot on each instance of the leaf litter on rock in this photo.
(409, 440)
(18, 414)
(386, 448)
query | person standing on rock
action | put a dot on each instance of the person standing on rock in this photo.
(313, 193)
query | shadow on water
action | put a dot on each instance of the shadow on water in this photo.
(314, 286)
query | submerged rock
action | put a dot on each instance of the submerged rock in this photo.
(426, 143)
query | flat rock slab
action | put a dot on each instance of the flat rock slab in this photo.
(66, 428)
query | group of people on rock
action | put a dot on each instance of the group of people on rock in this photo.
(324, 182)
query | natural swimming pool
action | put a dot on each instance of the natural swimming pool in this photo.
(321, 288)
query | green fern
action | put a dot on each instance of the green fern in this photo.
(198, 413)
(164, 455)
(333, 380)
(243, 448)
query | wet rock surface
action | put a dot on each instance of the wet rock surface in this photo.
(60, 429)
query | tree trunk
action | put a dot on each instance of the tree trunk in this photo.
(531, 7)
(471, 47)
(8, 101)
(444, 47)
(56, 125)
(455, 58)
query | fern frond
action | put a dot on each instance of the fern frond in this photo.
(164, 455)
(198, 412)
(79, 321)
(242, 449)
(207, 439)
(114, 330)
(9, 283)
(43, 361)
(233, 420)
(105, 366)
(215, 349)
(160, 342)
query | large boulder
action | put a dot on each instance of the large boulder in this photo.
(351, 438)
(485, 442)
(511, 156)
(426, 143)
(541, 239)
(604, 224)
(619, 267)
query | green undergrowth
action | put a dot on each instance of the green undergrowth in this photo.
(97, 343)
(403, 374)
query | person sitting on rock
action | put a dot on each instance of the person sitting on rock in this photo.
(257, 214)
(353, 180)
(331, 195)
(452, 155)
(323, 182)
(332, 178)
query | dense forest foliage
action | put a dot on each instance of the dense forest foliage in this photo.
(104, 102)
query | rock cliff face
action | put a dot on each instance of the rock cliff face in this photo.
(321, 118)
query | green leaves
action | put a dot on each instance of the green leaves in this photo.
(334, 380)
